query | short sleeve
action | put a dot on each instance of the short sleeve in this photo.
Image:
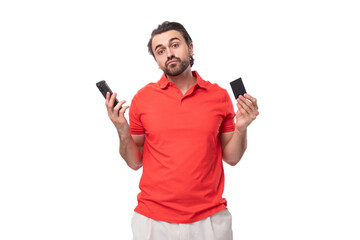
(136, 125)
(228, 124)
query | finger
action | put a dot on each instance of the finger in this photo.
(254, 102)
(241, 110)
(108, 105)
(119, 105)
(123, 110)
(115, 111)
(246, 101)
(112, 100)
(252, 99)
(252, 105)
(247, 114)
(250, 109)
(107, 98)
(245, 104)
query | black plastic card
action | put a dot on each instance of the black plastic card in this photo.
(238, 87)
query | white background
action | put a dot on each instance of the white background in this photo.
(61, 176)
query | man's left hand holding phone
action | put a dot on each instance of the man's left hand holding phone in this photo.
(130, 145)
(115, 109)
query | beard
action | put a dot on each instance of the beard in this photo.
(178, 69)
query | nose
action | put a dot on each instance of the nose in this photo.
(170, 53)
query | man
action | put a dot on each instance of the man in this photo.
(181, 128)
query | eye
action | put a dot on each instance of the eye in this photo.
(175, 45)
(160, 52)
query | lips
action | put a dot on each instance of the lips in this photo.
(171, 62)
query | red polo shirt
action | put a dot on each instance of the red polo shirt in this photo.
(183, 176)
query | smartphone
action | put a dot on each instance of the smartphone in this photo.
(238, 87)
(104, 88)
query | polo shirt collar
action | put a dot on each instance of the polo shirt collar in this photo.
(164, 82)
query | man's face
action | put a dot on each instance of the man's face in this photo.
(171, 52)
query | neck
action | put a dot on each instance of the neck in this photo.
(184, 81)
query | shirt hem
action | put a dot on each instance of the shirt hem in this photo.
(137, 133)
(173, 220)
(227, 130)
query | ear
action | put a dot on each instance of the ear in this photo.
(191, 49)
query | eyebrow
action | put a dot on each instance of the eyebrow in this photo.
(171, 39)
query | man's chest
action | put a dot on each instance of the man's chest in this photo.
(169, 115)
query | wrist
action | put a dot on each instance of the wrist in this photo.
(241, 131)
(124, 137)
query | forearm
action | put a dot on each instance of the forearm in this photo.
(235, 148)
(130, 152)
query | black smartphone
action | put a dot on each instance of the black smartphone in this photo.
(238, 87)
(104, 88)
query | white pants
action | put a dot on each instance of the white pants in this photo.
(215, 227)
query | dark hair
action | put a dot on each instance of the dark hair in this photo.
(167, 26)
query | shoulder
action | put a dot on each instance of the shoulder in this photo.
(218, 93)
(146, 91)
(215, 89)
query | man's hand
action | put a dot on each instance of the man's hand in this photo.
(247, 111)
(117, 116)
